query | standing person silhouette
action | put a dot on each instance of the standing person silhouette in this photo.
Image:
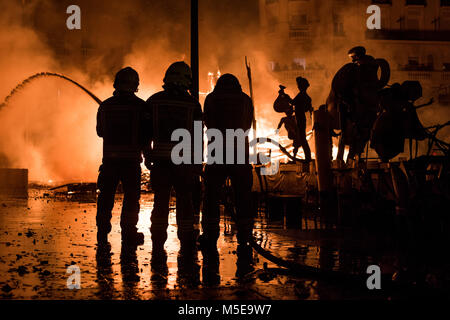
(228, 107)
(120, 122)
(171, 109)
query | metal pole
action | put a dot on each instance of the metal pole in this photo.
(250, 85)
(323, 165)
(194, 48)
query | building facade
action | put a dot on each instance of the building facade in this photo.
(311, 38)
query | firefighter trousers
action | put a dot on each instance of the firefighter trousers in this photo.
(163, 177)
(110, 174)
(241, 181)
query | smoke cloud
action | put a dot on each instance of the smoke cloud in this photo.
(49, 126)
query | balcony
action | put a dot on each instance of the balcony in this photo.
(444, 95)
(409, 35)
(299, 34)
(382, 2)
(419, 75)
(416, 2)
(289, 75)
(415, 67)
(435, 77)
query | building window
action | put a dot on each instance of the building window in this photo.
(385, 18)
(414, 64)
(299, 64)
(445, 3)
(272, 19)
(446, 66)
(298, 21)
(271, 65)
(339, 29)
(444, 19)
(338, 26)
(413, 18)
(271, 25)
(430, 62)
(413, 61)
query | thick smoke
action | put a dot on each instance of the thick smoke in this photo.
(49, 127)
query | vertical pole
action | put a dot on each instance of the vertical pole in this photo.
(322, 140)
(194, 48)
(250, 86)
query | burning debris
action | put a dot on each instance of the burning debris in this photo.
(76, 191)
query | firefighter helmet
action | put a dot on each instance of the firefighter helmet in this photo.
(179, 74)
(127, 79)
(228, 82)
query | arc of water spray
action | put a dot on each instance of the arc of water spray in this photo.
(46, 74)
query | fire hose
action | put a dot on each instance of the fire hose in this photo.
(46, 74)
(292, 267)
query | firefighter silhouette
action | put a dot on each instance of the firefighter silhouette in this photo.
(121, 122)
(171, 109)
(228, 107)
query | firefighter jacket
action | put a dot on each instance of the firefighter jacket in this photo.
(229, 108)
(121, 124)
(171, 109)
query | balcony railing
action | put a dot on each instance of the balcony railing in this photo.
(290, 75)
(300, 34)
(417, 35)
(416, 2)
(382, 2)
(436, 77)
(419, 75)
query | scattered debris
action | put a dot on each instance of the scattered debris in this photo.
(22, 270)
(30, 233)
(7, 288)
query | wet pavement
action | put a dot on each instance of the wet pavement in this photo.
(42, 236)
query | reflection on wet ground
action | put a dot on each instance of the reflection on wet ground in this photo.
(41, 237)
